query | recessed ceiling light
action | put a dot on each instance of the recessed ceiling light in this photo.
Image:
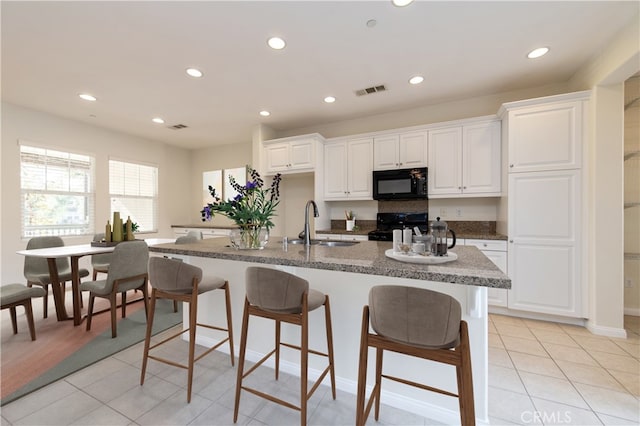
(330, 99)
(536, 53)
(401, 3)
(193, 72)
(265, 113)
(416, 79)
(157, 120)
(87, 97)
(276, 43)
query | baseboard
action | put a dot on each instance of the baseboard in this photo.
(537, 316)
(606, 331)
(434, 412)
(632, 311)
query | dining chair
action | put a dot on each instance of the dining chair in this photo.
(36, 269)
(100, 262)
(414, 322)
(178, 281)
(13, 295)
(127, 271)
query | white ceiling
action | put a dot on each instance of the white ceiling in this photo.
(132, 57)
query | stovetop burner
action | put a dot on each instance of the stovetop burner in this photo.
(387, 222)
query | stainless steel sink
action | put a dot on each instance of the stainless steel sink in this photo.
(326, 243)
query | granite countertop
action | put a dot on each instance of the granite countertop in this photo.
(367, 257)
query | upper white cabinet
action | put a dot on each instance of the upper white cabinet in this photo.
(545, 137)
(291, 155)
(464, 161)
(402, 151)
(348, 167)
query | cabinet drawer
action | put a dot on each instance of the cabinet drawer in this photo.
(492, 245)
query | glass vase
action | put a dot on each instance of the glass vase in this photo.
(249, 238)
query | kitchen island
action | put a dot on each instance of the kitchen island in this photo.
(347, 274)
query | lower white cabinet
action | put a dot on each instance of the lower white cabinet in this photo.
(206, 232)
(496, 251)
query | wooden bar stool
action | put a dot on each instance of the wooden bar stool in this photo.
(283, 297)
(13, 295)
(420, 323)
(179, 281)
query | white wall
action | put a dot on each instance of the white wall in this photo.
(23, 124)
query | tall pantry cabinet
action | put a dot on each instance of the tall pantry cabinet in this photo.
(545, 140)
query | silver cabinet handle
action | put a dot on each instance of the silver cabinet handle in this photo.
(511, 165)
(511, 241)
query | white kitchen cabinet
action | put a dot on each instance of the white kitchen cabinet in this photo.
(544, 253)
(291, 155)
(545, 137)
(344, 237)
(496, 251)
(348, 167)
(206, 232)
(402, 151)
(464, 161)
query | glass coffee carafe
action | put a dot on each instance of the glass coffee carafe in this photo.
(439, 233)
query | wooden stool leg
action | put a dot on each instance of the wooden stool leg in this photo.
(243, 348)
(332, 371)
(193, 315)
(14, 320)
(227, 297)
(114, 322)
(28, 310)
(465, 378)
(362, 368)
(175, 306)
(147, 337)
(378, 387)
(277, 342)
(123, 302)
(90, 311)
(304, 362)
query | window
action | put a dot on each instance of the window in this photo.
(134, 193)
(57, 192)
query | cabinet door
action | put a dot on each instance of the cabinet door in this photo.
(302, 155)
(481, 158)
(277, 157)
(335, 171)
(544, 242)
(546, 137)
(413, 150)
(385, 152)
(360, 169)
(445, 161)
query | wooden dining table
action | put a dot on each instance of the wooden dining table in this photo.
(74, 253)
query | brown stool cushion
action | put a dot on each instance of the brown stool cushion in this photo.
(279, 291)
(415, 316)
(13, 293)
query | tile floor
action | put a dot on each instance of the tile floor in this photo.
(539, 373)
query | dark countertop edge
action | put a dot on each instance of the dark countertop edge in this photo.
(369, 270)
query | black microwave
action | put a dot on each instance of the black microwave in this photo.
(403, 184)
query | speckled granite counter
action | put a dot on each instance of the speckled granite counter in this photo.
(367, 257)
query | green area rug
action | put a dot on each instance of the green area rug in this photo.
(131, 330)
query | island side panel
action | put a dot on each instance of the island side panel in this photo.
(348, 293)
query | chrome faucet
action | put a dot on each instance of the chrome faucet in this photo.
(307, 232)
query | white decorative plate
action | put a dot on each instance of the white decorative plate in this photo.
(418, 258)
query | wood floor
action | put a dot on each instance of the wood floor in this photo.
(24, 359)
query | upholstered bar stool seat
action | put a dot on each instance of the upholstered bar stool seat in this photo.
(178, 281)
(13, 295)
(283, 297)
(420, 323)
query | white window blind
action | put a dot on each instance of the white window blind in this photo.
(57, 192)
(133, 189)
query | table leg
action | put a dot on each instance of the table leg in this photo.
(75, 284)
(61, 311)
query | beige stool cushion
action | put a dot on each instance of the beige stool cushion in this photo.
(278, 291)
(175, 276)
(13, 293)
(415, 316)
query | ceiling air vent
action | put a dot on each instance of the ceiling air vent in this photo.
(177, 127)
(371, 90)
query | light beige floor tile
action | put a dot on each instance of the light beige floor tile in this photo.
(575, 330)
(587, 374)
(608, 420)
(632, 349)
(505, 319)
(103, 416)
(505, 378)
(531, 347)
(543, 325)
(560, 338)
(602, 344)
(511, 406)
(492, 327)
(630, 381)
(499, 356)
(495, 341)
(567, 353)
(514, 330)
(553, 413)
(62, 412)
(536, 364)
(552, 388)
(175, 411)
(609, 402)
(609, 361)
